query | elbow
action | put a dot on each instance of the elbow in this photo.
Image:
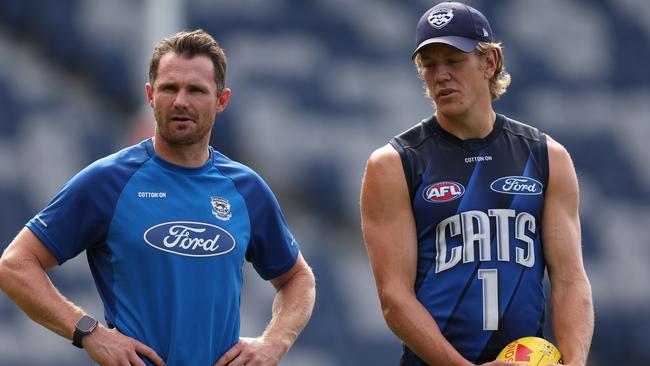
(307, 282)
(390, 315)
(6, 269)
(310, 282)
(13, 267)
(392, 305)
(577, 290)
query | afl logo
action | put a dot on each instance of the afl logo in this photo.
(443, 192)
(192, 239)
(517, 185)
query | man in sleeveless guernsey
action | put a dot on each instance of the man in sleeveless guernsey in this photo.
(166, 226)
(463, 213)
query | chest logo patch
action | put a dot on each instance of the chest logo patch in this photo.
(192, 239)
(517, 185)
(221, 208)
(443, 192)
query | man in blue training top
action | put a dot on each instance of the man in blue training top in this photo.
(166, 225)
(463, 213)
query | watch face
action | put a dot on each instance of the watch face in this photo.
(86, 323)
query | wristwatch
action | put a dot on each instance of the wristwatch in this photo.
(83, 327)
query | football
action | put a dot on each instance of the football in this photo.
(532, 351)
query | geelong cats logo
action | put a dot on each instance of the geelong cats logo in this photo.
(192, 239)
(221, 208)
(440, 18)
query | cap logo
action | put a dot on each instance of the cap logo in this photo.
(440, 17)
(485, 33)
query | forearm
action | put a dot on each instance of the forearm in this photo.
(573, 319)
(28, 285)
(413, 324)
(292, 308)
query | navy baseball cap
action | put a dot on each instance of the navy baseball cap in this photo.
(452, 23)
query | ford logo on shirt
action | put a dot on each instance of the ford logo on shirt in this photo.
(516, 185)
(193, 239)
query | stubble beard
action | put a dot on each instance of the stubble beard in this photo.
(179, 138)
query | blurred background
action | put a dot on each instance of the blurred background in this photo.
(317, 86)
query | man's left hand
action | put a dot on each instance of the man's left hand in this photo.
(259, 351)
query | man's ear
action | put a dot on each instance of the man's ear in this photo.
(491, 62)
(223, 100)
(149, 90)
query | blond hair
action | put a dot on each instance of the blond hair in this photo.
(500, 80)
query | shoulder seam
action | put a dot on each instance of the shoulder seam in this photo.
(422, 125)
(536, 133)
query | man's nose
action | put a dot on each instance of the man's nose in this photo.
(442, 74)
(181, 99)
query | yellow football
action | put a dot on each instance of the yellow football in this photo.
(532, 351)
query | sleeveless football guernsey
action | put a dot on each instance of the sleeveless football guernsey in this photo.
(166, 245)
(478, 207)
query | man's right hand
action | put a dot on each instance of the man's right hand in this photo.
(109, 347)
(500, 363)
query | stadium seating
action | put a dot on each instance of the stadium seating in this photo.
(317, 85)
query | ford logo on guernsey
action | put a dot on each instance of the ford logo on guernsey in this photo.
(192, 239)
(517, 185)
(443, 192)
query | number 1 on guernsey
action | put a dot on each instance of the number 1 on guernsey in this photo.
(490, 279)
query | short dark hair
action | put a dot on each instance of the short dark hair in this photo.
(190, 44)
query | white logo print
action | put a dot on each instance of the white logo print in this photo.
(152, 194)
(192, 239)
(221, 208)
(517, 185)
(476, 159)
(440, 17)
(38, 217)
